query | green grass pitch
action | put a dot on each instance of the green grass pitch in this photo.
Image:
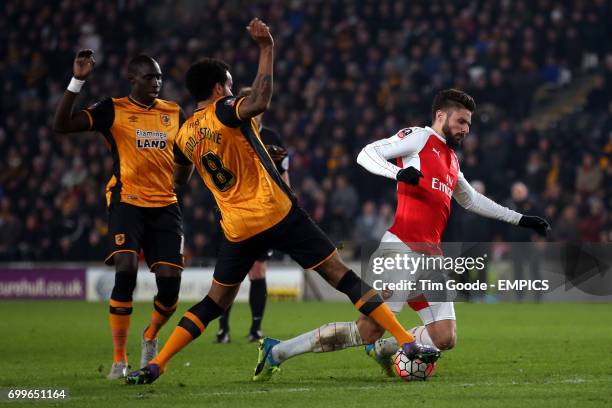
(507, 355)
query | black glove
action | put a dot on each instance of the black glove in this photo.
(539, 225)
(409, 175)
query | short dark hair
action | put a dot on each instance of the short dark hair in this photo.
(203, 75)
(138, 61)
(452, 99)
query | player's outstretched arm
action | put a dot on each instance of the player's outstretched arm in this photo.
(65, 121)
(261, 90)
(470, 199)
(473, 201)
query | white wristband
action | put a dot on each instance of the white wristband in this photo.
(75, 85)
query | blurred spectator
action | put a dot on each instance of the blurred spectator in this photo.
(567, 227)
(521, 202)
(474, 227)
(535, 172)
(365, 223)
(476, 235)
(600, 95)
(591, 226)
(589, 175)
(343, 204)
(384, 221)
(524, 257)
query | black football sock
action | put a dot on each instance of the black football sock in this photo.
(257, 301)
(224, 320)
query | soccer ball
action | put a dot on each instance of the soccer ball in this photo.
(409, 370)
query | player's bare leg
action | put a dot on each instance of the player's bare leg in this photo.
(168, 279)
(443, 333)
(191, 326)
(120, 309)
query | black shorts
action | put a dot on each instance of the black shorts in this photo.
(296, 235)
(158, 231)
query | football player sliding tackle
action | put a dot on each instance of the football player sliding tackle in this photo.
(427, 175)
(274, 219)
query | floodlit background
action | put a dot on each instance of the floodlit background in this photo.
(346, 73)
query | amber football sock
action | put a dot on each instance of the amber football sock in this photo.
(119, 317)
(191, 326)
(369, 302)
(385, 317)
(160, 315)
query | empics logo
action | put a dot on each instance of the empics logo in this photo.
(151, 139)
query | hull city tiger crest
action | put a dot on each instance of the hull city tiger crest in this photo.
(119, 239)
(165, 119)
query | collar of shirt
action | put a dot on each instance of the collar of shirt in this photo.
(436, 134)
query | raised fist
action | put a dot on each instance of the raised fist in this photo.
(260, 33)
(83, 64)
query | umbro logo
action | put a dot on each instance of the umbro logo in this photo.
(133, 119)
(436, 151)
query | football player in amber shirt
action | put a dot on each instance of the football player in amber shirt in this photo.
(258, 210)
(257, 275)
(140, 131)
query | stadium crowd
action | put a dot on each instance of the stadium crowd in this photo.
(346, 73)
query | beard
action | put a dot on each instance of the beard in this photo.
(452, 140)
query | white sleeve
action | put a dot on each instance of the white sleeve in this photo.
(473, 201)
(374, 157)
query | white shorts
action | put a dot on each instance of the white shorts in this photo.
(429, 312)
